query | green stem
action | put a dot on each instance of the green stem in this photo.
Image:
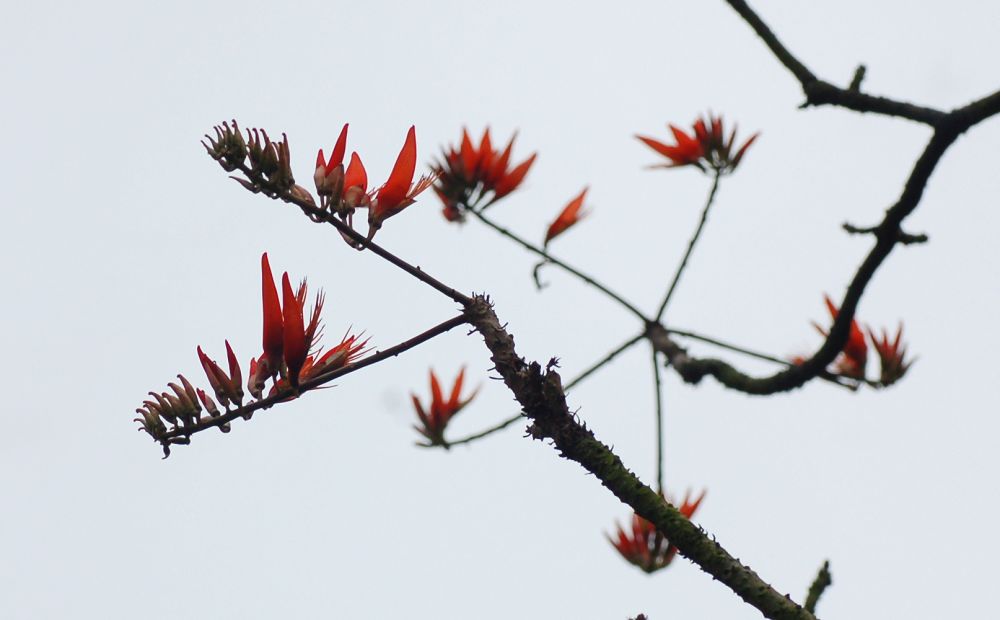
(555, 261)
(691, 244)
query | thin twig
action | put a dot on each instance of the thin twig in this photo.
(321, 215)
(691, 244)
(518, 416)
(659, 422)
(819, 92)
(823, 580)
(314, 382)
(555, 261)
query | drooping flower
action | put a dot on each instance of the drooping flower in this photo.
(570, 215)
(708, 149)
(891, 355)
(399, 190)
(434, 419)
(646, 547)
(854, 358)
(468, 174)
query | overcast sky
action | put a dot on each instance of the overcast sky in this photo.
(124, 247)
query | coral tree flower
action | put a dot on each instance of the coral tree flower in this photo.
(854, 358)
(467, 174)
(399, 190)
(434, 419)
(570, 215)
(891, 355)
(708, 148)
(289, 340)
(644, 546)
(341, 190)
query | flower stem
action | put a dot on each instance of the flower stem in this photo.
(691, 244)
(555, 261)
(579, 378)
(659, 423)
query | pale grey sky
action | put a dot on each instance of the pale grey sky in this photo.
(124, 247)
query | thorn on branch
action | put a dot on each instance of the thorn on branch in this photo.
(859, 75)
(902, 237)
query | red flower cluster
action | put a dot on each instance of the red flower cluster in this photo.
(891, 355)
(708, 148)
(344, 190)
(571, 214)
(434, 419)
(854, 358)
(644, 546)
(467, 173)
(288, 340)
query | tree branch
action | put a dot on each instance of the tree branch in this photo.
(820, 92)
(543, 399)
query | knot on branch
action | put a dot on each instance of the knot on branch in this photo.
(902, 237)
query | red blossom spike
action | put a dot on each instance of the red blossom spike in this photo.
(569, 216)
(216, 378)
(235, 376)
(295, 346)
(273, 338)
(394, 191)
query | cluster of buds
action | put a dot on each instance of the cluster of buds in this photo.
(643, 545)
(270, 163)
(435, 418)
(853, 360)
(467, 174)
(708, 149)
(291, 357)
(343, 190)
(182, 408)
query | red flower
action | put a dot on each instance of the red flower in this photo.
(571, 214)
(710, 147)
(644, 546)
(441, 411)
(341, 190)
(891, 355)
(468, 173)
(854, 358)
(399, 191)
(228, 388)
(288, 339)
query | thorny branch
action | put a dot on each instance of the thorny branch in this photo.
(543, 399)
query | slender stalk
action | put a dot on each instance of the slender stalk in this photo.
(314, 382)
(659, 423)
(320, 215)
(691, 244)
(555, 261)
(625, 346)
(518, 416)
